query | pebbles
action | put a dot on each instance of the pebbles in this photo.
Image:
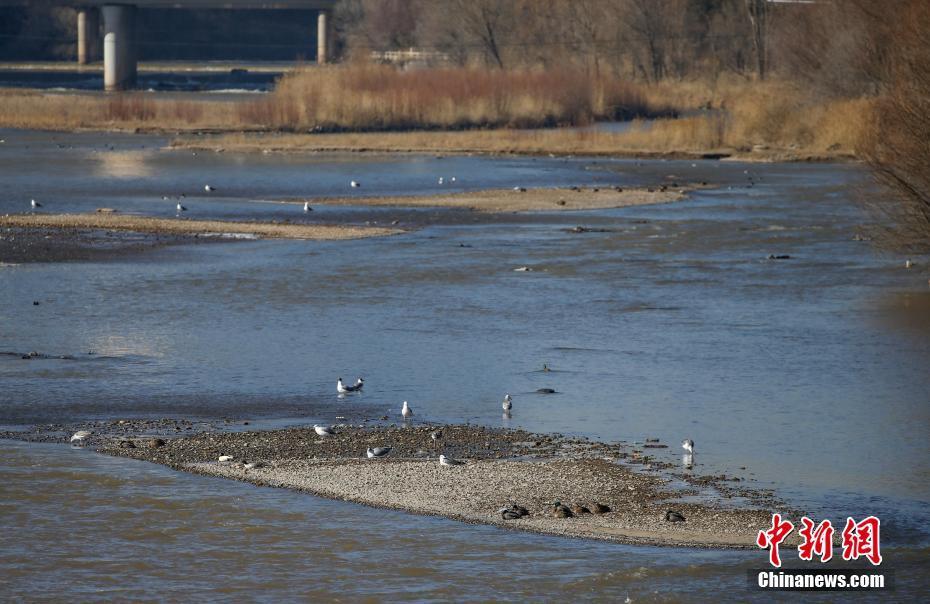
(604, 498)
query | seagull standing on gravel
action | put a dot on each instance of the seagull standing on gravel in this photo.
(35, 204)
(342, 388)
(448, 461)
(323, 430)
(508, 402)
(378, 452)
(406, 411)
(688, 445)
(79, 437)
(436, 434)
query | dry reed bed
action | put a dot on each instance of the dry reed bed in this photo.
(377, 97)
(443, 110)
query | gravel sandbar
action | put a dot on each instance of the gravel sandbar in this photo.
(148, 224)
(528, 200)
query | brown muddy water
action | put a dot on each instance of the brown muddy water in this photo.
(805, 374)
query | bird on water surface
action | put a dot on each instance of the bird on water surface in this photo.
(508, 402)
(688, 445)
(342, 387)
(34, 204)
(79, 437)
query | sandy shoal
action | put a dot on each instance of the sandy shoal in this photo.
(476, 491)
(148, 224)
(531, 200)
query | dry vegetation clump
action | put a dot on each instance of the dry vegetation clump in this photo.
(128, 111)
(378, 97)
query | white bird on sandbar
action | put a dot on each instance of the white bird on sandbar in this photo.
(688, 445)
(406, 411)
(374, 452)
(79, 436)
(342, 387)
(323, 430)
(508, 402)
(34, 204)
(448, 461)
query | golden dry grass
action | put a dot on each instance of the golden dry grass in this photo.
(378, 97)
(441, 110)
(56, 111)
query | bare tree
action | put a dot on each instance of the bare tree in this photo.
(897, 147)
(758, 22)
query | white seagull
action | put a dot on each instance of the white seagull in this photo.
(407, 412)
(508, 402)
(355, 184)
(323, 430)
(378, 452)
(180, 208)
(342, 388)
(225, 458)
(907, 263)
(209, 189)
(307, 207)
(440, 180)
(79, 436)
(688, 445)
(448, 461)
(35, 204)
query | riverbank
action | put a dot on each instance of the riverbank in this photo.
(614, 491)
(182, 226)
(547, 142)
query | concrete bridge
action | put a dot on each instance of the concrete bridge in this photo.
(120, 24)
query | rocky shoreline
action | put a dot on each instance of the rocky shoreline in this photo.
(568, 486)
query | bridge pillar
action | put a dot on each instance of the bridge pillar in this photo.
(119, 46)
(88, 35)
(322, 37)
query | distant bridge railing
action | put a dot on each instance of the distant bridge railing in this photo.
(410, 57)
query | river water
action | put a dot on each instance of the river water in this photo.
(809, 372)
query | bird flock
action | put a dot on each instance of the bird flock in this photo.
(79, 438)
